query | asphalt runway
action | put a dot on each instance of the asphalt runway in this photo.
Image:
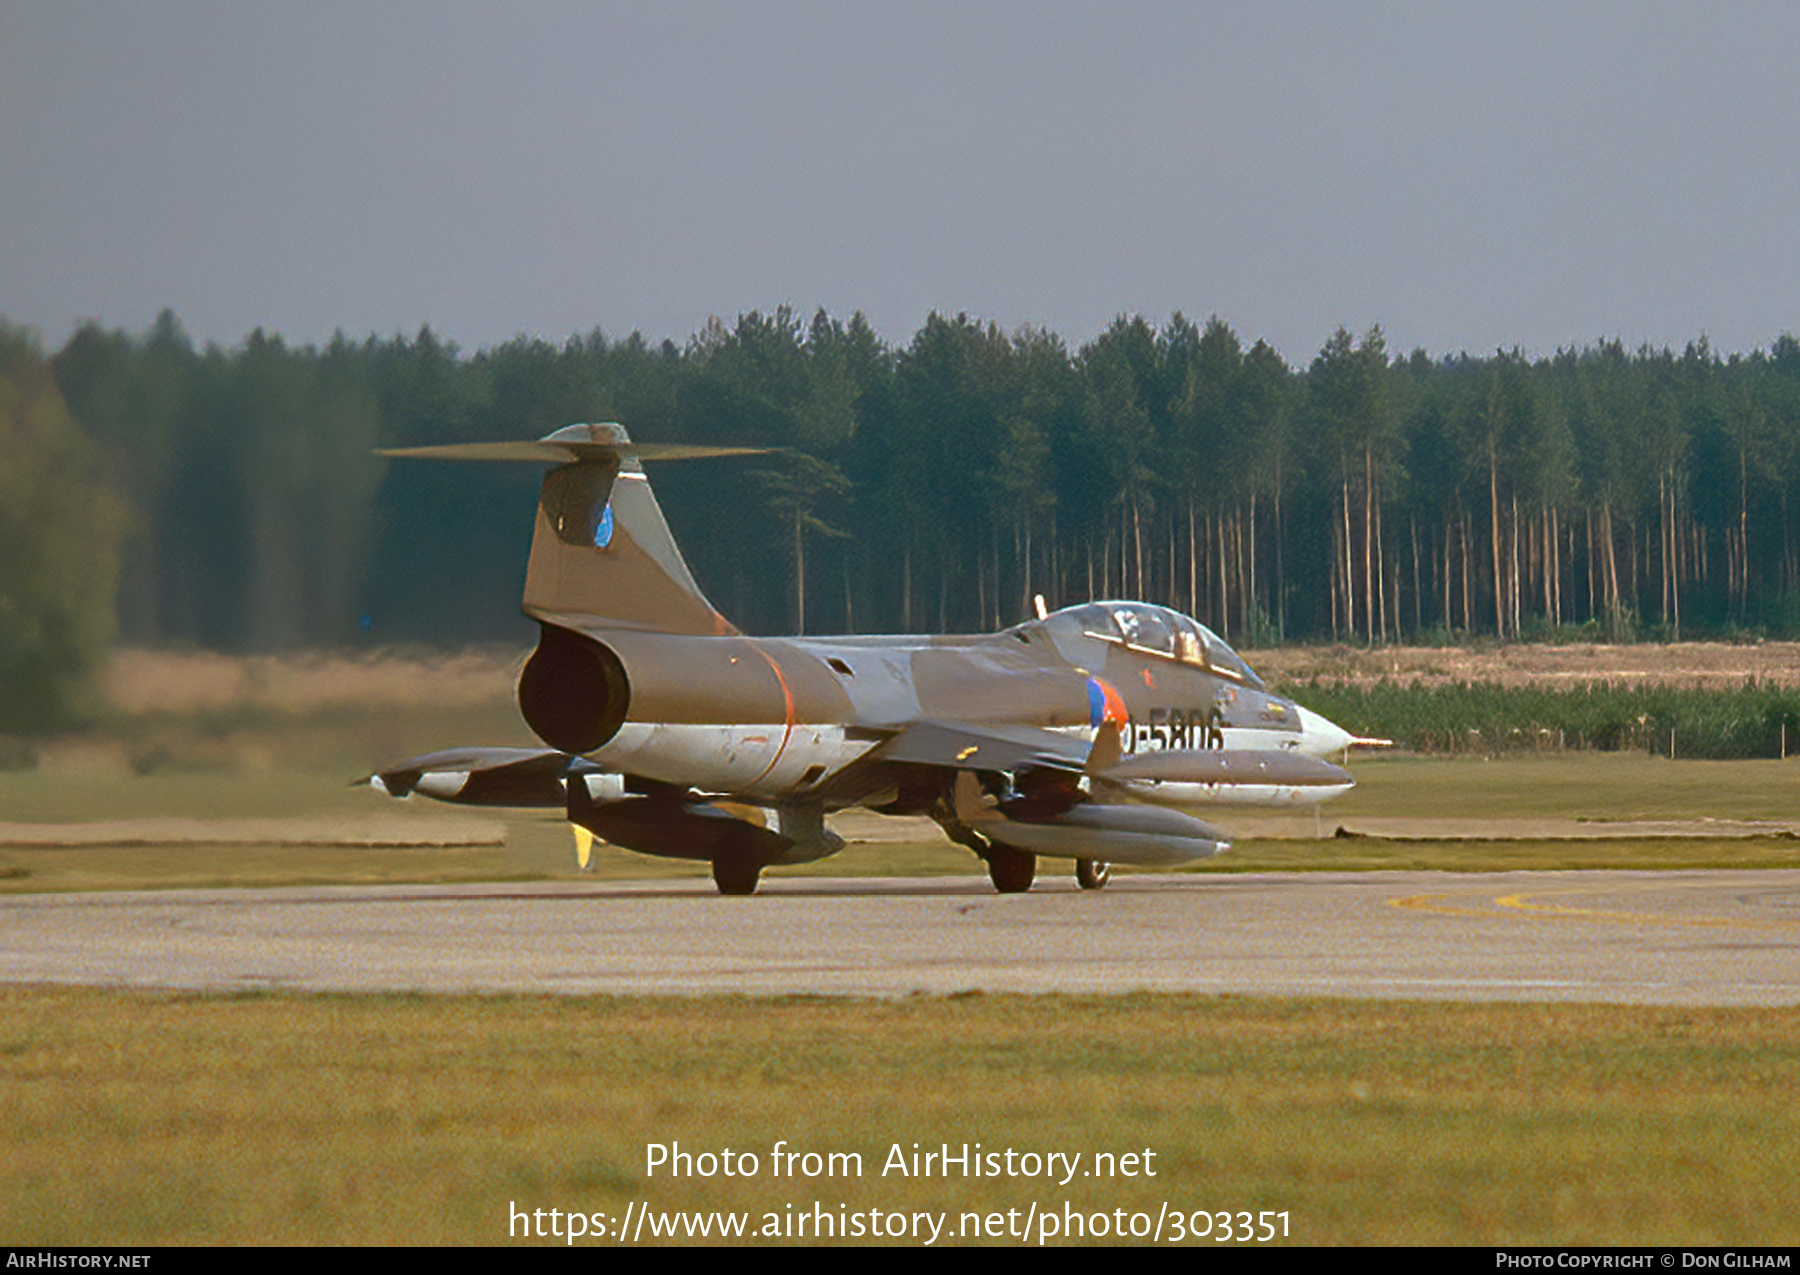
(1674, 938)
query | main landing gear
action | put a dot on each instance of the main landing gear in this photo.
(737, 874)
(1012, 871)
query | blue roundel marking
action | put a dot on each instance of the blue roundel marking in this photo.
(1096, 703)
(604, 528)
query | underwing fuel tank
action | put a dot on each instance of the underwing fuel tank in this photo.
(1143, 835)
(672, 828)
(670, 825)
(1244, 777)
(678, 825)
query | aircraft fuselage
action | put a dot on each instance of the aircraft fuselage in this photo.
(781, 719)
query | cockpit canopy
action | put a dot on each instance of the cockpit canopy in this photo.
(1156, 630)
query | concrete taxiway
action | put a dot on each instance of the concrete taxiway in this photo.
(1677, 938)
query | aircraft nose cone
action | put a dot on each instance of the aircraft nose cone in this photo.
(1320, 736)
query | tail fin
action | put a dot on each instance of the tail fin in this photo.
(601, 551)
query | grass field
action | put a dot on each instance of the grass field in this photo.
(146, 1119)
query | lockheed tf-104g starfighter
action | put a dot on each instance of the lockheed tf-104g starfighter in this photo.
(1088, 733)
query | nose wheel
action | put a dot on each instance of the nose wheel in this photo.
(1092, 874)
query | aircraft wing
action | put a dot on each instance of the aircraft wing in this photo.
(1048, 765)
(483, 776)
(993, 748)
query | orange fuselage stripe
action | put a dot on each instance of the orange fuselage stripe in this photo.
(787, 696)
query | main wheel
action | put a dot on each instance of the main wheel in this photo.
(1012, 871)
(1092, 874)
(736, 874)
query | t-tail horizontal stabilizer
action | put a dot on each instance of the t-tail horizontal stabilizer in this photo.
(602, 555)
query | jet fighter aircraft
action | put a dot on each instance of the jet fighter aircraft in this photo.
(1088, 734)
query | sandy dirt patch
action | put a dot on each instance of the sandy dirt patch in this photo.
(140, 681)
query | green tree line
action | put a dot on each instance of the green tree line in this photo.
(938, 485)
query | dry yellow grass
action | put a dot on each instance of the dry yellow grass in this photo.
(141, 681)
(162, 1119)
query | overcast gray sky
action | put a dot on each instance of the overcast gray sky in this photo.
(1467, 176)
